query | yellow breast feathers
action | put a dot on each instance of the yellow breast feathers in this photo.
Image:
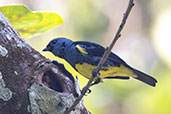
(112, 71)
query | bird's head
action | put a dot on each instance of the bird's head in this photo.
(58, 46)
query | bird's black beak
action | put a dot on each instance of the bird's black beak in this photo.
(45, 49)
(48, 48)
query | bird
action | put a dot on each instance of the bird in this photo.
(84, 56)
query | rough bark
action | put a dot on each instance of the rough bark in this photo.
(30, 83)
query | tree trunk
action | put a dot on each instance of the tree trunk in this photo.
(30, 83)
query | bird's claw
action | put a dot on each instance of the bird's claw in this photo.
(95, 74)
(85, 93)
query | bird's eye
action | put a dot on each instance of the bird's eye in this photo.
(63, 44)
(54, 42)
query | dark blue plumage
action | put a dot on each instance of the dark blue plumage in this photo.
(84, 56)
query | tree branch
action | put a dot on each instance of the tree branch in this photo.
(30, 83)
(105, 55)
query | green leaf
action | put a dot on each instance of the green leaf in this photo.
(30, 23)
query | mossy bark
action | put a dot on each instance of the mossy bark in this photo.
(30, 83)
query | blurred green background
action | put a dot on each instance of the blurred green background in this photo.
(145, 44)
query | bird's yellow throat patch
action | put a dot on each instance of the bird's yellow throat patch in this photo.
(86, 70)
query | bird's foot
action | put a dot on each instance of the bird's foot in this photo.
(95, 74)
(85, 93)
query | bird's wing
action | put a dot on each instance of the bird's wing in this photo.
(90, 48)
(93, 49)
(114, 66)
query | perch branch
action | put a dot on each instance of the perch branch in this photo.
(105, 55)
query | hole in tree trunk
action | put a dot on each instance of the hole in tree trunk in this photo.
(51, 80)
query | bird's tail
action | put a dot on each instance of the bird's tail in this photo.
(145, 78)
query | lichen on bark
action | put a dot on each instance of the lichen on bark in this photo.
(5, 93)
(30, 83)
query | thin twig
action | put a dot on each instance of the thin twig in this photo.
(105, 55)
